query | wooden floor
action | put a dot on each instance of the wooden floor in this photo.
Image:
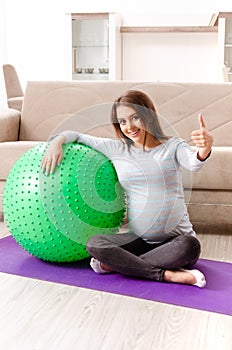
(36, 315)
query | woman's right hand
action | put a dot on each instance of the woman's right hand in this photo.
(53, 155)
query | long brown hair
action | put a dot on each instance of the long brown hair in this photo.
(144, 107)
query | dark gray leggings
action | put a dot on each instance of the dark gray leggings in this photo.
(130, 255)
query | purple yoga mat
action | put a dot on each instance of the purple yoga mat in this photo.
(215, 297)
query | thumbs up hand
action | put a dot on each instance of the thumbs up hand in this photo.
(202, 139)
(201, 121)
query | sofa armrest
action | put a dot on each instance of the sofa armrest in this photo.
(9, 124)
(15, 102)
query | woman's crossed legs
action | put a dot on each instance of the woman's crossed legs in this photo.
(131, 255)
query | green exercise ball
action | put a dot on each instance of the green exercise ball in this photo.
(52, 217)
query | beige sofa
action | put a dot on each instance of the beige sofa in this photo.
(51, 106)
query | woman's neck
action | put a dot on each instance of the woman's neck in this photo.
(150, 143)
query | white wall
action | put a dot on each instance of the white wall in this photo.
(38, 38)
(173, 57)
(2, 52)
(35, 36)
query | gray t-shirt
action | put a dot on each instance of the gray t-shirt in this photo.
(152, 181)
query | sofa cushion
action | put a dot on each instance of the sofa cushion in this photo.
(85, 106)
(47, 104)
(10, 152)
(217, 172)
(215, 175)
(9, 124)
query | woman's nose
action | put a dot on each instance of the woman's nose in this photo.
(130, 124)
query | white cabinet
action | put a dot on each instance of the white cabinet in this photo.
(225, 44)
(96, 46)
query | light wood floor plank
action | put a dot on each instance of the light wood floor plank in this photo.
(41, 315)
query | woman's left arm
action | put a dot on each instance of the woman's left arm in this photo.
(203, 140)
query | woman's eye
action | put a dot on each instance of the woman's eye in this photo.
(135, 117)
(122, 122)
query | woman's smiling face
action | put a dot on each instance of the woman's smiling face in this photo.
(131, 125)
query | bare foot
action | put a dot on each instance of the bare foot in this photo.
(98, 267)
(105, 267)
